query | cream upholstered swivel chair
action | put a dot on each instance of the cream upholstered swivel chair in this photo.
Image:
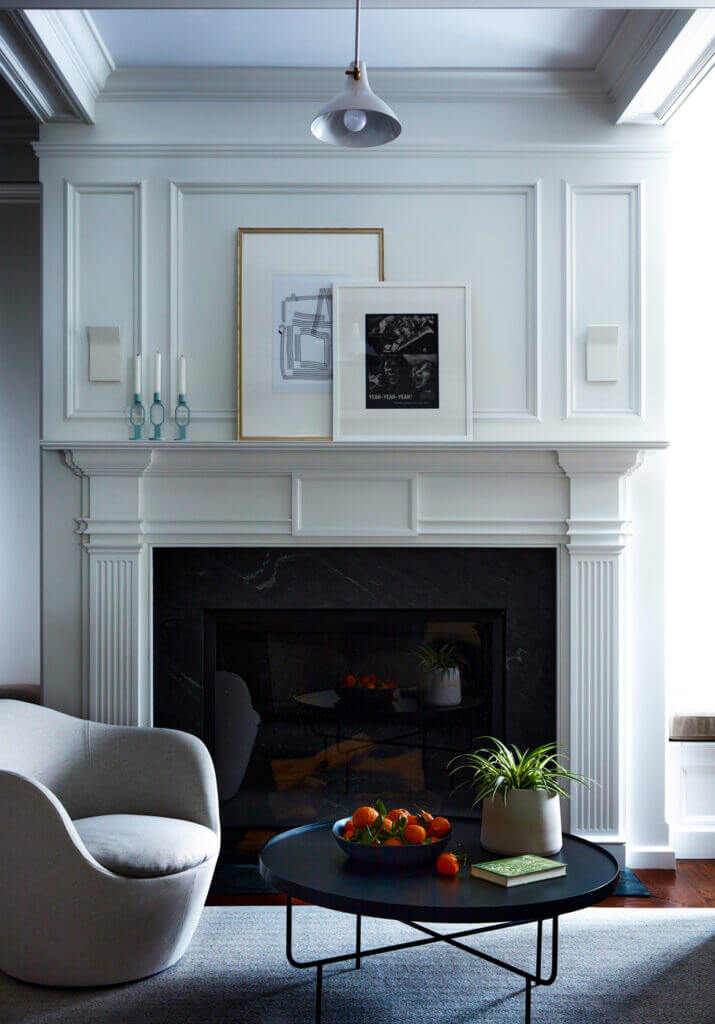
(109, 837)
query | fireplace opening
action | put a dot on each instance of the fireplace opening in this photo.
(297, 738)
(252, 646)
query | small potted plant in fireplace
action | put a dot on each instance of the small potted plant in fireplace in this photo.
(520, 795)
(443, 664)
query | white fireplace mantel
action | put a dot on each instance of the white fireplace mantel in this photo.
(137, 495)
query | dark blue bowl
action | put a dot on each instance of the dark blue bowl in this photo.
(389, 856)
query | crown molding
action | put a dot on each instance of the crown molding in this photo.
(398, 85)
(17, 129)
(20, 192)
(201, 150)
(55, 61)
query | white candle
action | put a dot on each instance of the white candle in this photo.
(182, 375)
(137, 375)
(157, 372)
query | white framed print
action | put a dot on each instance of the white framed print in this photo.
(402, 362)
(285, 324)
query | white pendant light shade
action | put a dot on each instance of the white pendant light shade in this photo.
(356, 117)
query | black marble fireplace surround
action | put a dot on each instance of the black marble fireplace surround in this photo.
(288, 621)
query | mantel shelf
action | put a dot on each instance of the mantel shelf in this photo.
(362, 447)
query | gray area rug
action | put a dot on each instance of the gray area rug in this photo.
(615, 967)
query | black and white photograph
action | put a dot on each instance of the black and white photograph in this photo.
(402, 361)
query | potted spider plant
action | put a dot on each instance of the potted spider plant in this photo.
(442, 664)
(520, 794)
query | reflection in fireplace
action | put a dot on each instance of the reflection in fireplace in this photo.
(251, 646)
(293, 744)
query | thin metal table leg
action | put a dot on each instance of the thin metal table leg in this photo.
(358, 929)
(319, 994)
(538, 948)
(527, 1002)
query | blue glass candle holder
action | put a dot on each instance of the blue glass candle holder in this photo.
(182, 417)
(137, 417)
(157, 415)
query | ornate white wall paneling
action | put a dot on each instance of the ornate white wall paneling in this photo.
(603, 284)
(104, 282)
(139, 496)
(507, 307)
(491, 212)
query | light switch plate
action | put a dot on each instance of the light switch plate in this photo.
(602, 354)
(105, 356)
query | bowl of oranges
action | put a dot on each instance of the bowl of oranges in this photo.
(366, 690)
(397, 838)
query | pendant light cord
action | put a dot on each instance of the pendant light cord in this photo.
(355, 69)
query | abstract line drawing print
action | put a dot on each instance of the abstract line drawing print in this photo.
(303, 332)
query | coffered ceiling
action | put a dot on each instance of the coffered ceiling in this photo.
(397, 38)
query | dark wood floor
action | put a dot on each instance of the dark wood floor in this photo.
(692, 884)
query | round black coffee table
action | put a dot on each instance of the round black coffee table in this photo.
(307, 864)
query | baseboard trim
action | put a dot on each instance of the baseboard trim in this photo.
(693, 845)
(660, 857)
(617, 850)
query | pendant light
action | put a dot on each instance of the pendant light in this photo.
(356, 117)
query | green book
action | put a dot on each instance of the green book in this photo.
(519, 870)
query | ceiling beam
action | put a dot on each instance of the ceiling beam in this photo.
(654, 61)
(55, 61)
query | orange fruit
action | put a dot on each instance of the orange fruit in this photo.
(398, 813)
(412, 819)
(370, 686)
(390, 684)
(440, 827)
(447, 864)
(415, 834)
(349, 830)
(427, 817)
(394, 841)
(364, 680)
(349, 680)
(364, 816)
(386, 825)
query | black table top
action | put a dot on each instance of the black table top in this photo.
(308, 864)
(328, 704)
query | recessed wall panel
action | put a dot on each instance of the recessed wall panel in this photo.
(104, 288)
(603, 287)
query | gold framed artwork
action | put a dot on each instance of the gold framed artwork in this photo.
(285, 324)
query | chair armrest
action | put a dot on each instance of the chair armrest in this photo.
(152, 771)
(36, 832)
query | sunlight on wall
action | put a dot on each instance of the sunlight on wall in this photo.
(690, 507)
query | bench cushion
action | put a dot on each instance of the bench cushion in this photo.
(144, 846)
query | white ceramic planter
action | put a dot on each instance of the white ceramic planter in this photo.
(529, 822)
(444, 688)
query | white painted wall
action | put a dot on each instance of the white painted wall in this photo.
(19, 439)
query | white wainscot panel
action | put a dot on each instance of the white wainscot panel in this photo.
(103, 279)
(603, 286)
(219, 507)
(504, 240)
(486, 234)
(337, 505)
(510, 505)
(693, 785)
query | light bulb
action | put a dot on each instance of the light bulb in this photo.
(354, 120)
